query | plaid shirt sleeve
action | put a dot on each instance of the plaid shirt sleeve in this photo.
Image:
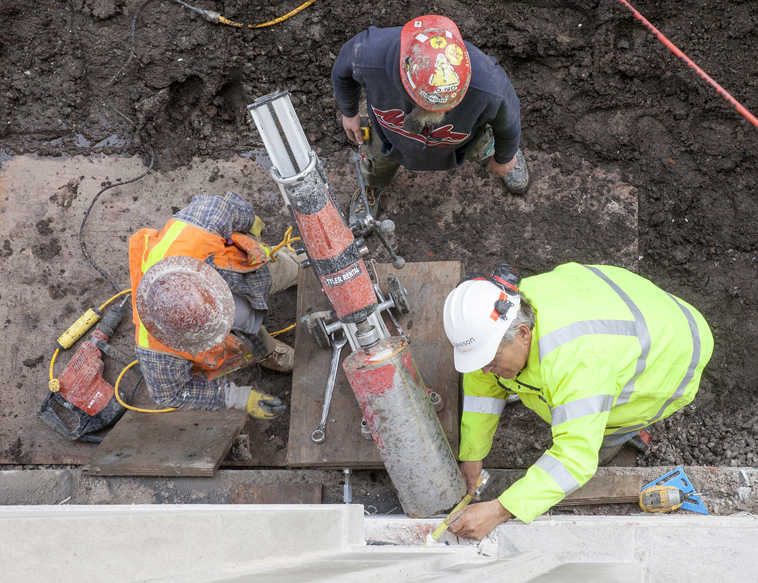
(223, 216)
(171, 383)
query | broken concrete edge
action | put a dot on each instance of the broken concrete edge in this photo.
(724, 490)
(399, 530)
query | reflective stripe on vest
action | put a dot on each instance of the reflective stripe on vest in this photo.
(556, 338)
(581, 408)
(679, 391)
(159, 250)
(637, 328)
(490, 405)
(643, 335)
(556, 470)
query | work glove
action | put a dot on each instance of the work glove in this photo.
(257, 227)
(258, 404)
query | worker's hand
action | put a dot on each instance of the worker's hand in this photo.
(471, 471)
(501, 169)
(352, 127)
(261, 405)
(478, 520)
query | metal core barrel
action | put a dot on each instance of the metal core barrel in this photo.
(330, 244)
(405, 427)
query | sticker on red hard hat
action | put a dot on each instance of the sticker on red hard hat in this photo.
(434, 62)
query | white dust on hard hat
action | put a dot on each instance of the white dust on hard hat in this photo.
(472, 324)
(185, 304)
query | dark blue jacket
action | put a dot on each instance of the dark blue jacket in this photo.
(371, 60)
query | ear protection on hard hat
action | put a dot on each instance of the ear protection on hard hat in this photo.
(504, 278)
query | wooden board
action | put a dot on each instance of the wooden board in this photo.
(277, 494)
(427, 284)
(613, 489)
(180, 443)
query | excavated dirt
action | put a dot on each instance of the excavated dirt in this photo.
(150, 76)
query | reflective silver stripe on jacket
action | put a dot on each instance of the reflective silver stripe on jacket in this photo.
(693, 361)
(696, 346)
(581, 408)
(558, 472)
(643, 335)
(556, 338)
(491, 405)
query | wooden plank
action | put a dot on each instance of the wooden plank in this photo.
(277, 494)
(180, 443)
(427, 284)
(612, 489)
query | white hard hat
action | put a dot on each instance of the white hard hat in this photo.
(477, 314)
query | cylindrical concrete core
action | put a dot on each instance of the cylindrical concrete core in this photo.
(405, 427)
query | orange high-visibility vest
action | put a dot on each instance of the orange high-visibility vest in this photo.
(244, 254)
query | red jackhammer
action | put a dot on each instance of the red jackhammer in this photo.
(392, 395)
(82, 391)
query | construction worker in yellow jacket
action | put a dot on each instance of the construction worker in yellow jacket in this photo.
(598, 352)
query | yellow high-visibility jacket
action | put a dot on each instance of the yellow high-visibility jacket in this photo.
(611, 353)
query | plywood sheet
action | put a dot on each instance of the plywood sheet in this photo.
(180, 443)
(428, 284)
(612, 489)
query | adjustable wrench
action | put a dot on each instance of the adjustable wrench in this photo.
(319, 434)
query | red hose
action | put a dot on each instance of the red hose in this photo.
(674, 49)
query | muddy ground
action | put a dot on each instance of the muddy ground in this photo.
(152, 78)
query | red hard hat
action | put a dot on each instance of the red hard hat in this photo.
(434, 62)
(185, 304)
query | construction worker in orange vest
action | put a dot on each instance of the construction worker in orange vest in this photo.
(200, 293)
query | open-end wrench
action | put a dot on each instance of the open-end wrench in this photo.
(338, 342)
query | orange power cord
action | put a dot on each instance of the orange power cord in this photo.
(674, 49)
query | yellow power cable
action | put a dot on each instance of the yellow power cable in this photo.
(130, 407)
(286, 241)
(283, 330)
(118, 295)
(214, 16)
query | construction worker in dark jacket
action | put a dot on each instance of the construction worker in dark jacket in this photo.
(598, 352)
(433, 101)
(200, 291)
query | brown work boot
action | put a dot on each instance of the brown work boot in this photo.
(282, 359)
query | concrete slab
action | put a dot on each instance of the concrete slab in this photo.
(665, 548)
(168, 542)
(299, 543)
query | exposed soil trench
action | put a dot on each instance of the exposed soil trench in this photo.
(120, 76)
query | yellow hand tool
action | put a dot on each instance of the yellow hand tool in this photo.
(661, 499)
(481, 482)
(365, 129)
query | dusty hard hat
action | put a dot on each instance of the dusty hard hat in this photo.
(185, 304)
(434, 62)
(477, 314)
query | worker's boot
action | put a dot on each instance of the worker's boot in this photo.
(357, 210)
(517, 180)
(281, 359)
